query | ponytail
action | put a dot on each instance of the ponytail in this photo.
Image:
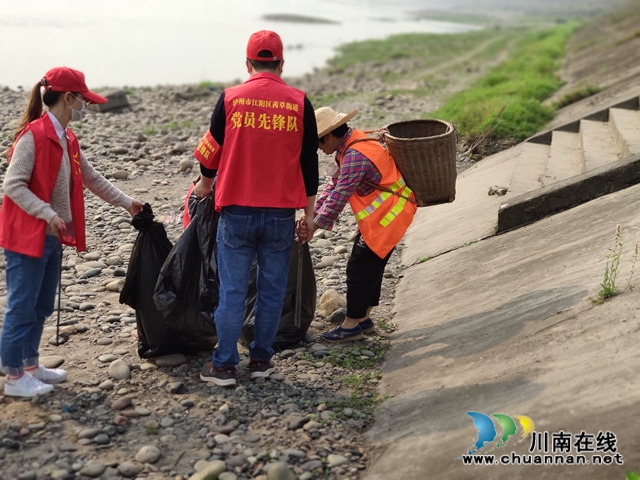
(33, 111)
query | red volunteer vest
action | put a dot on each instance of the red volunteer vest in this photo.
(383, 218)
(24, 233)
(259, 163)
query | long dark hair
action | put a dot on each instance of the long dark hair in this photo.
(34, 108)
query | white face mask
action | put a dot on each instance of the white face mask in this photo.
(77, 115)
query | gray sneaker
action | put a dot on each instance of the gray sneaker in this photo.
(225, 377)
(260, 368)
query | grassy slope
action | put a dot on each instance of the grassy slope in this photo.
(420, 71)
(468, 78)
(517, 88)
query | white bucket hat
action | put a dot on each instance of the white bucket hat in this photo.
(328, 119)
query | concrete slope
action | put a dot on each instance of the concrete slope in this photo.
(506, 326)
(473, 214)
(550, 172)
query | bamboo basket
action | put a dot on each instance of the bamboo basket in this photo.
(425, 152)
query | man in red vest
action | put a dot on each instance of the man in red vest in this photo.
(367, 177)
(262, 143)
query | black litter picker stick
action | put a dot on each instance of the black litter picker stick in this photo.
(298, 311)
(59, 295)
(300, 227)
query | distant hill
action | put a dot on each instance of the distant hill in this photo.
(560, 9)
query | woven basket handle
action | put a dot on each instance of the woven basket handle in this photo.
(367, 182)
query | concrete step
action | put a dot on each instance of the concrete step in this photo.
(626, 130)
(598, 145)
(530, 169)
(565, 157)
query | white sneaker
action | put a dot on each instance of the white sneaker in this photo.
(26, 386)
(49, 375)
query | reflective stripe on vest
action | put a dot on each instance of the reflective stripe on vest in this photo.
(400, 187)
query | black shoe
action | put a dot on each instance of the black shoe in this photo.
(260, 368)
(225, 377)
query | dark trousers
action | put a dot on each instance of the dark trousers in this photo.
(365, 270)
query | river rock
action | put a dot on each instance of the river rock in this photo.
(52, 361)
(129, 469)
(93, 469)
(227, 476)
(296, 421)
(119, 370)
(185, 164)
(116, 285)
(173, 360)
(106, 385)
(60, 340)
(338, 316)
(92, 272)
(325, 262)
(121, 403)
(280, 471)
(331, 300)
(336, 460)
(210, 472)
(177, 388)
(88, 432)
(148, 454)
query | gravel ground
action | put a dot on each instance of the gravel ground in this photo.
(119, 416)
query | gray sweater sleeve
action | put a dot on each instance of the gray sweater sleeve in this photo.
(16, 181)
(101, 187)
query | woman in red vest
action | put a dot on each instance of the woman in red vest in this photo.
(367, 177)
(43, 206)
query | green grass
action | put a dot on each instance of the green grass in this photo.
(457, 18)
(329, 98)
(609, 288)
(576, 95)
(357, 400)
(428, 49)
(352, 357)
(519, 86)
(173, 125)
(386, 326)
(211, 85)
(149, 131)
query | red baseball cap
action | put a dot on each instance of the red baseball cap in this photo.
(264, 40)
(64, 79)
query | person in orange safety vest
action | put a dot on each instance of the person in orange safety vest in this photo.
(384, 206)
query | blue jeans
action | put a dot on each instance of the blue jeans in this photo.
(243, 233)
(31, 292)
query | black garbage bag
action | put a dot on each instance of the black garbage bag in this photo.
(186, 292)
(149, 253)
(289, 334)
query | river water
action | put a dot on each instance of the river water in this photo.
(151, 42)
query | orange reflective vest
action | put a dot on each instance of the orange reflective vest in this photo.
(383, 217)
(24, 233)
